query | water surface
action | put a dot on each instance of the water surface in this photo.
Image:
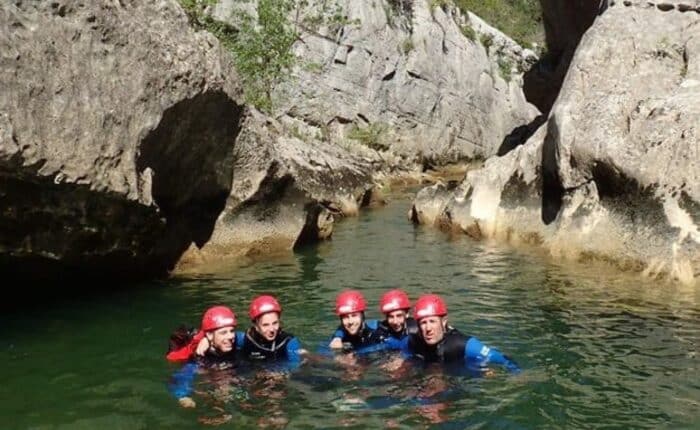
(599, 349)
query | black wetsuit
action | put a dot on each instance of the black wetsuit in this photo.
(449, 350)
(456, 347)
(368, 336)
(255, 347)
(385, 331)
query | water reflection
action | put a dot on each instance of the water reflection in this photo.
(599, 349)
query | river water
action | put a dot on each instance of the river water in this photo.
(599, 349)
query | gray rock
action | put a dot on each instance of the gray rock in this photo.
(565, 22)
(117, 130)
(286, 192)
(614, 174)
(406, 71)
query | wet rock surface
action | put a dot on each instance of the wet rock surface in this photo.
(613, 174)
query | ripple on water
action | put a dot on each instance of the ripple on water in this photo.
(599, 349)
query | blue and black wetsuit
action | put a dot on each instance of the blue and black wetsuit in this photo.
(284, 347)
(456, 347)
(182, 381)
(367, 339)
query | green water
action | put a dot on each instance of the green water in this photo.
(599, 349)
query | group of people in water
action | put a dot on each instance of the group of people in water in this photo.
(423, 334)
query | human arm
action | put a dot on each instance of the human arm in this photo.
(337, 339)
(202, 347)
(476, 353)
(181, 384)
(295, 353)
(188, 351)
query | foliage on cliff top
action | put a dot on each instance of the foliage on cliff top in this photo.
(519, 19)
(261, 45)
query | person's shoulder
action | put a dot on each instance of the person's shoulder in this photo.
(284, 336)
(240, 338)
(372, 324)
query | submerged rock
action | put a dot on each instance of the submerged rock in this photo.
(117, 132)
(614, 174)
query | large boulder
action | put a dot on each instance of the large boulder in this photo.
(287, 191)
(615, 172)
(117, 132)
(417, 79)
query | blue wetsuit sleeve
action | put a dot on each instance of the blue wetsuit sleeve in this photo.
(395, 344)
(294, 351)
(338, 333)
(240, 339)
(476, 353)
(181, 383)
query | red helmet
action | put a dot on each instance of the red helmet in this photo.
(350, 301)
(262, 305)
(429, 305)
(216, 317)
(394, 300)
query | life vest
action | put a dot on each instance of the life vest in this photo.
(449, 350)
(410, 328)
(256, 347)
(183, 343)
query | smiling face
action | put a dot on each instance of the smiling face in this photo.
(397, 320)
(432, 329)
(352, 322)
(268, 325)
(222, 338)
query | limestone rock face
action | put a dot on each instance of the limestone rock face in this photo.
(615, 171)
(117, 132)
(286, 191)
(565, 21)
(415, 76)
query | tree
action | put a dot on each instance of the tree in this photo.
(263, 50)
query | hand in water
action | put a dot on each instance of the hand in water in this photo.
(187, 402)
(336, 343)
(489, 373)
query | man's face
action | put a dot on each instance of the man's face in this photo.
(222, 338)
(397, 319)
(432, 329)
(268, 325)
(352, 322)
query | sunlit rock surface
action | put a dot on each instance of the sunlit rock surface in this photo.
(415, 72)
(117, 133)
(287, 191)
(614, 174)
(565, 22)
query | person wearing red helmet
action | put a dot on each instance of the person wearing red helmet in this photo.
(437, 341)
(265, 340)
(218, 327)
(397, 323)
(218, 331)
(354, 332)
